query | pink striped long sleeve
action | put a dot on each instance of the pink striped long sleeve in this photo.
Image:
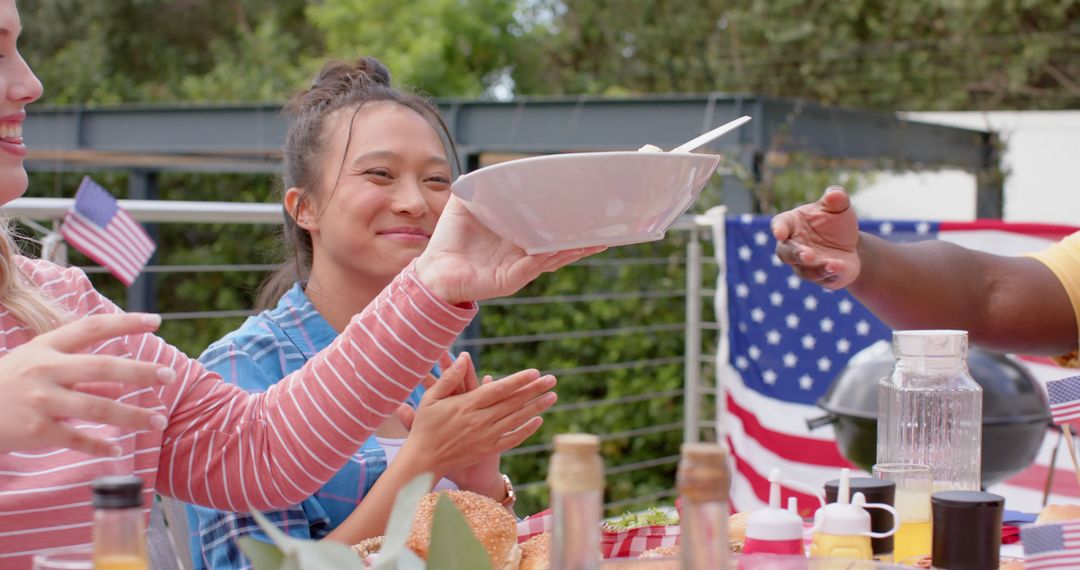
(223, 447)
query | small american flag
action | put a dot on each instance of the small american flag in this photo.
(1051, 545)
(1064, 399)
(98, 227)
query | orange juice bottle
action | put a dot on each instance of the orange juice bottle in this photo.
(119, 524)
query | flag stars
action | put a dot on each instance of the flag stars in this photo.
(824, 364)
(776, 261)
(792, 321)
(754, 352)
(761, 238)
(843, 346)
(827, 325)
(810, 302)
(745, 253)
(742, 291)
(769, 377)
(793, 282)
(806, 382)
(773, 336)
(760, 277)
(742, 326)
(808, 342)
(922, 228)
(776, 299)
(862, 327)
(886, 228)
(846, 306)
(741, 362)
(757, 315)
(746, 218)
(790, 360)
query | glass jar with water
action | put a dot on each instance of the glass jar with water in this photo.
(930, 409)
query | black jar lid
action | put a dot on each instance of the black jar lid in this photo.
(967, 529)
(117, 492)
(876, 491)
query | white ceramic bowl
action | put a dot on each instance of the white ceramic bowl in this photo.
(565, 201)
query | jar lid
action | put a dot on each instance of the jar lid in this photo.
(876, 491)
(930, 343)
(967, 499)
(967, 529)
(117, 492)
(702, 474)
(579, 444)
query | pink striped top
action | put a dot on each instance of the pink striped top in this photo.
(223, 448)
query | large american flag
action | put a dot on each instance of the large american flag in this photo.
(788, 339)
(97, 226)
(1051, 545)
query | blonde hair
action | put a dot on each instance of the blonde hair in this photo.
(24, 299)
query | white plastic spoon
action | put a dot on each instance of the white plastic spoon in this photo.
(711, 135)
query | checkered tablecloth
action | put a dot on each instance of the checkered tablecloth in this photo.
(622, 544)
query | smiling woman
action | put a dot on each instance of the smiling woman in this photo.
(366, 179)
(91, 391)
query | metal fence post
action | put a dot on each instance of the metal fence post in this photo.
(692, 366)
(142, 294)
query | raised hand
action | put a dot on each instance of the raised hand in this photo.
(46, 381)
(819, 240)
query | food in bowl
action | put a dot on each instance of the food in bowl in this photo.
(650, 148)
(568, 201)
(649, 517)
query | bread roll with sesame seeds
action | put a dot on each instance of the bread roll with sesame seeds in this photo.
(536, 552)
(493, 526)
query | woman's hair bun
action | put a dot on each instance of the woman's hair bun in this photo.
(365, 71)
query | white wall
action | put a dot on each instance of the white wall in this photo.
(1042, 156)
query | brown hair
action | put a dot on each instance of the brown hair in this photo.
(338, 85)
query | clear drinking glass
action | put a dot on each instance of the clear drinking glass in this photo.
(75, 558)
(914, 485)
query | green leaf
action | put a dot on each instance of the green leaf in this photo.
(327, 554)
(401, 519)
(453, 544)
(263, 555)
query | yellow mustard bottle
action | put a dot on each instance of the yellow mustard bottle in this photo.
(842, 529)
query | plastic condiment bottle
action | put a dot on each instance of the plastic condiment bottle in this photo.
(119, 524)
(576, 477)
(842, 529)
(875, 491)
(702, 479)
(773, 530)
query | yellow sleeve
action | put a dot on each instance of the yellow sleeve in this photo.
(1063, 258)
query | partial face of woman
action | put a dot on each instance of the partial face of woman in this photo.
(19, 87)
(379, 212)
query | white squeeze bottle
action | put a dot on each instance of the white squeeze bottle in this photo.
(842, 529)
(773, 530)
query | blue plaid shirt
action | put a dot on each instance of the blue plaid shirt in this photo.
(265, 349)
